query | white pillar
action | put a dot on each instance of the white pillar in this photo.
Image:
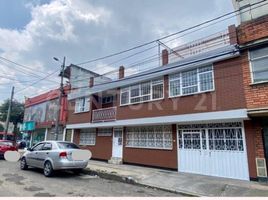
(46, 134)
(72, 139)
(64, 134)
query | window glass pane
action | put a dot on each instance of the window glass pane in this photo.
(145, 88)
(206, 82)
(157, 91)
(190, 90)
(150, 137)
(260, 65)
(174, 88)
(125, 98)
(135, 91)
(205, 69)
(174, 76)
(259, 53)
(135, 100)
(189, 78)
(67, 145)
(260, 76)
(87, 136)
(157, 81)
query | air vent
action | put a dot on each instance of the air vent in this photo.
(261, 167)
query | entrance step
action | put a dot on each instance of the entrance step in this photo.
(115, 161)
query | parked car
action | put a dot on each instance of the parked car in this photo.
(51, 156)
(6, 145)
(21, 144)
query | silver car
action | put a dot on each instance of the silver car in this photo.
(51, 156)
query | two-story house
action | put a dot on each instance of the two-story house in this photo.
(204, 111)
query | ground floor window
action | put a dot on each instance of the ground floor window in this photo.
(51, 133)
(105, 131)
(159, 137)
(87, 137)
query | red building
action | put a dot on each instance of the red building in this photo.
(43, 110)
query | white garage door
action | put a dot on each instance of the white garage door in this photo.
(213, 149)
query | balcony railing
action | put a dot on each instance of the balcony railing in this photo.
(104, 115)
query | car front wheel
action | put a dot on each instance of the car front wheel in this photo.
(48, 169)
(23, 164)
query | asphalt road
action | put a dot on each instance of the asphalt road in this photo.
(17, 183)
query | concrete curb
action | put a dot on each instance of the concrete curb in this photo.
(130, 180)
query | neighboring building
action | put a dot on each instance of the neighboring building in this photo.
(204, 111)
(41, 113)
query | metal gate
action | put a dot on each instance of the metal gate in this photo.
(213, 149)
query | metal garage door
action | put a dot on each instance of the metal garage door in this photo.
(213, 149)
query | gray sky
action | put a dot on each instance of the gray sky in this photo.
(33, 32)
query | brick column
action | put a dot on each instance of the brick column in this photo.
(164, 57)
(91, 82)
(121, 72)
(232, 34)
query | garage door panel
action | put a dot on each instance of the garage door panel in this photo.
(217, 151)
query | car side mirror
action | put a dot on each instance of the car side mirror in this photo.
(29, 149)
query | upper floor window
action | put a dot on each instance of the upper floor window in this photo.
(82, 105)
(259, 65)
(147, 91)
(107, 99)
(191, 82)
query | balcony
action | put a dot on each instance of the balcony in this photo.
(104, 115)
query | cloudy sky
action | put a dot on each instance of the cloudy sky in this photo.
(32, 32)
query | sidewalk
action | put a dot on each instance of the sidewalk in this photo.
(188, 184)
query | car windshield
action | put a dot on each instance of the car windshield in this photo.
(67, 145)
(6, 143)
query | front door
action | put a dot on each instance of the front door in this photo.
(118, 143)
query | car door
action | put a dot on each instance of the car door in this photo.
(44, 153)
(34, 155)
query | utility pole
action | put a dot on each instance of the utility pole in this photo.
(60, 98)
(8, 113)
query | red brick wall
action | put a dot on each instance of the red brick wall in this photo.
(256, 95)
(74, 118)
(254, 144)
(228, 95)
(152, 157)
(253, 30)
(102, 148)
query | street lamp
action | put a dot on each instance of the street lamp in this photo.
(60, 97)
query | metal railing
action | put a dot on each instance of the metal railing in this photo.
(104, 114)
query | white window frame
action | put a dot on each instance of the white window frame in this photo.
(251, 67)
(128, 90)
(89, 132)
(146, 138)
(198, 82)
(82, 108)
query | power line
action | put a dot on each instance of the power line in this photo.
(197, 26)
(37, 81)
(2, 59)
(236, 14)
(167, 36)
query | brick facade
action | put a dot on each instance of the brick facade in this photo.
(255, 94)
(254, 144)
(253, 30)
